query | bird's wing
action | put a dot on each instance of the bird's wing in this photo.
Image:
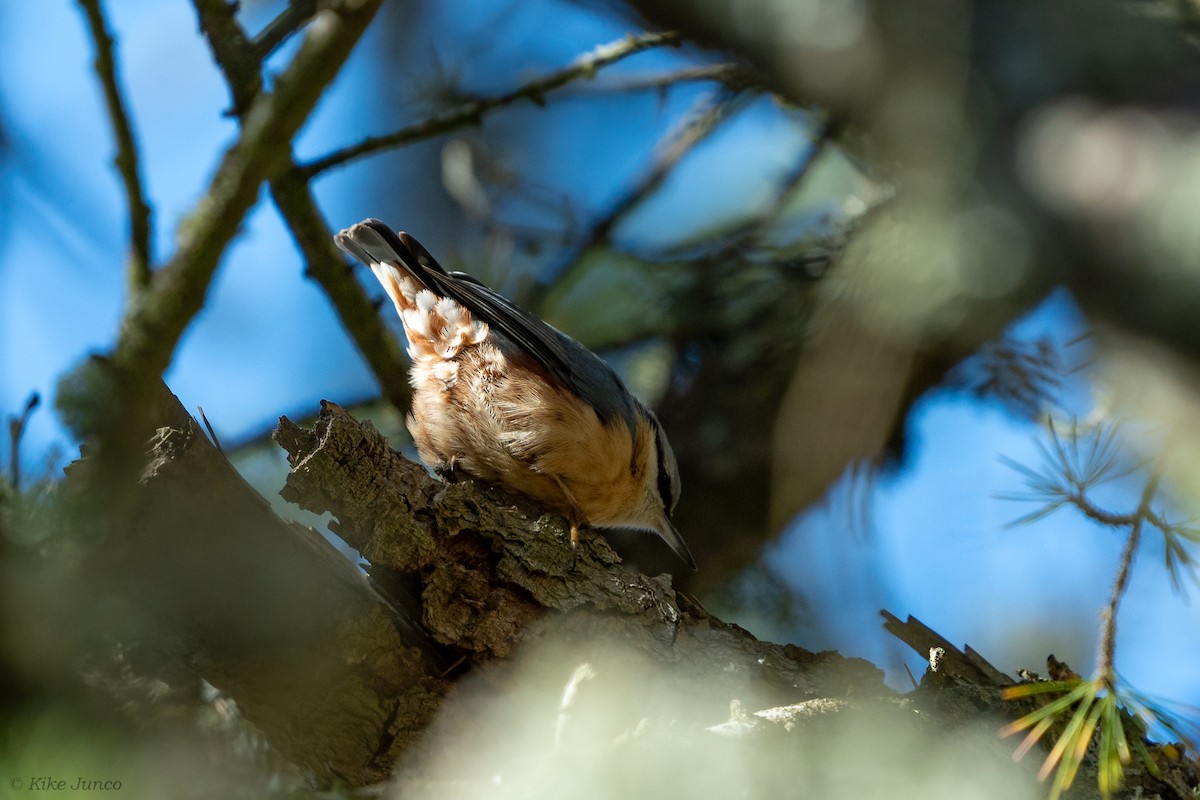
(569, 362)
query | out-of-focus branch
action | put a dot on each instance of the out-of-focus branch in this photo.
(127, 162)
(705, 118)
(747, 234)
(236, 56)
(822, 134)
(977, 134)
(290, 20)
(155, 322)
(109, 400)
(471, 113)
(16, 431)
(232, 49)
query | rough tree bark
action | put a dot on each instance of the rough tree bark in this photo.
(344, 674)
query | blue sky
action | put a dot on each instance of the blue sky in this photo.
(932, 541)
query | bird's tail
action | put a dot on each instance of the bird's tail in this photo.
(437, 326)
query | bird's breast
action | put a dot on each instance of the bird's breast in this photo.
(496, 416)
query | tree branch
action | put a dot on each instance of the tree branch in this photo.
(1111, 519)
(1108, 632)
(825, 131)
(211, 585)
(278, 30)
(494, 569)
(108, 400)
(155, 322)
(964, 665)
(471, 113)
(127, 161)
(242, 68)
(344, 680)
(733, 75)
(16, 431)
(232, 50)
(746, 234)
(326, 264)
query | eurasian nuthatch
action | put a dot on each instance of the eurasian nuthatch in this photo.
(501, 396)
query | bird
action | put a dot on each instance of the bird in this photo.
(501, 396)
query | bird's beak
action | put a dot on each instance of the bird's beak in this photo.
(667, 530)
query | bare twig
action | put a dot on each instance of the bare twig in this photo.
(1100, 516)
(471, 113)
(1108, 634)
(705, 118)
(965, 664)
(290, 20)
(16, 430)
(232, 50)
(1110, 519)
(127, 162)
(236, 57)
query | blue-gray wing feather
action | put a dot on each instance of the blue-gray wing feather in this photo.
(569, 362)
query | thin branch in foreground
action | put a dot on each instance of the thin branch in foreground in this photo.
(1098, 715)
(1073, 462)
(232, 50)
(471, 113)
(127, 162)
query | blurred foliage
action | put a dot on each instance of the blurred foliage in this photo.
(1022, 375)
(923, 205)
